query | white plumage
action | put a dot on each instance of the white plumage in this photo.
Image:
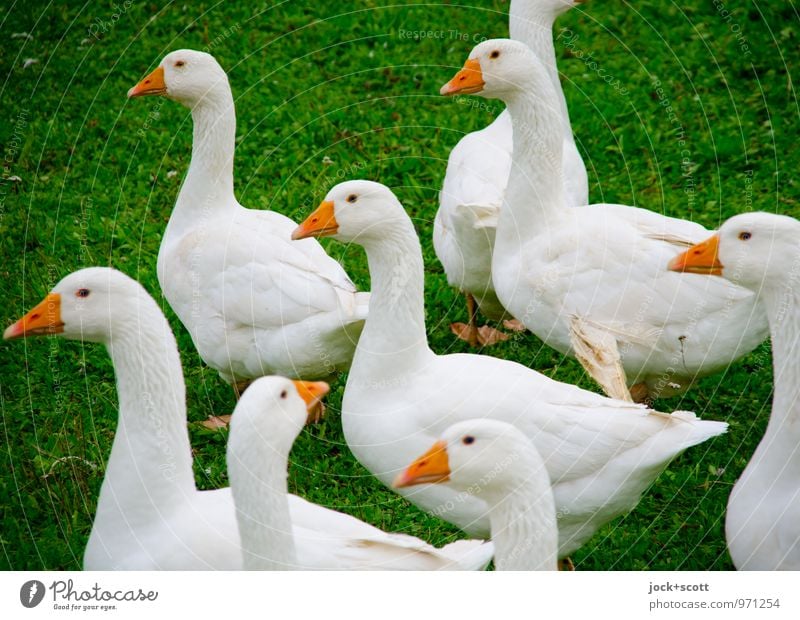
(478, 169)
(601, 267)
(254, 302)
(150, 515)
(266, 422)
(760, 251)
(600, 453)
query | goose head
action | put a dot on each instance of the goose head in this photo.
(497, 69)
(481, 457)
(185, 76)
(90, 305)
(354, 211)
(754, 250)
(276, 408)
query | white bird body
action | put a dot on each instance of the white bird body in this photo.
(479, 165)
(150, 515)
(266, 422)
(601, 265)
(469, 204)
(254, 303)
(606, 266)
(760, 251)
(498, 463)
(600, 453)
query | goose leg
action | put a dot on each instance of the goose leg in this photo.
(471, 333)
(566, 564)
(597, 351)
(468, 331)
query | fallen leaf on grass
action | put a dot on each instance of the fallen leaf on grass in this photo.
(215, 422)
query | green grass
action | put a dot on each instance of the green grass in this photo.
(310, 82)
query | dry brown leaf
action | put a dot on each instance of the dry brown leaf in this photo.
(215, 422)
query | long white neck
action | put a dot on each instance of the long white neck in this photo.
(257, 469)
(535, 192)
(532, 24)
(523, 524)
(394, 333)
(778, 451)
(149, 470)
(208, 187)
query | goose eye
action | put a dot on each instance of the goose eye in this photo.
(494, 54)
(468, 440)
(82, 292)
(180, 63)
(744, 236)
(284, 394)
(352, 198)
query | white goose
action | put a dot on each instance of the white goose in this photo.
(591, 282)
(496, 462)
(477, 175)
(761, 251)
(150, 515)
(254, 303)
(601, 453)
(267, 420)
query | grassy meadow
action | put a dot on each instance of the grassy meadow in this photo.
(686, 108)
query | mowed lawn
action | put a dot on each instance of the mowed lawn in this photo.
(683, 108)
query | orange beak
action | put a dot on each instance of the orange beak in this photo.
(153, 84)
(321, 223)
(433, 466)
(312, 392)
(467, 81)
(43, 319)
(701, 258)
